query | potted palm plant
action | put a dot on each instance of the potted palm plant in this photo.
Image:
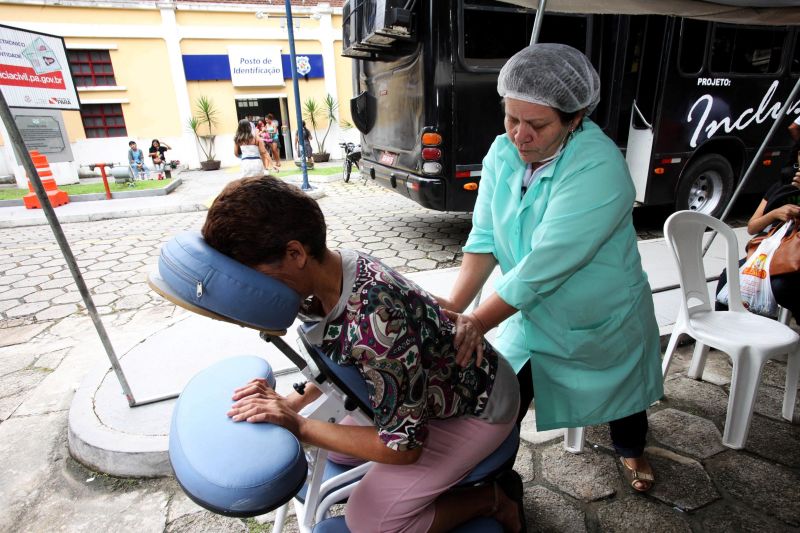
(316, 114)
(205, 114)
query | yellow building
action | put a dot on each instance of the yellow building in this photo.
(141, 66)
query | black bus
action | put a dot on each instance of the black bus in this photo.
(687, 101)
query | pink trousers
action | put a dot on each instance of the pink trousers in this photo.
(401, 497)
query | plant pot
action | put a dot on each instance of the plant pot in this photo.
(211, 164)
(321, 157)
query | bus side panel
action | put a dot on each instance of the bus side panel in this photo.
(706, 112)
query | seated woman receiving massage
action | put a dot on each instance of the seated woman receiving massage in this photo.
(435, 417)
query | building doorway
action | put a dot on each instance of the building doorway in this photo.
(257, 108)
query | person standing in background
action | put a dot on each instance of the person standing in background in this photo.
(274, 130)
(248, 147)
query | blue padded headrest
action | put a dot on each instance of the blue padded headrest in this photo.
(232, 468)
(204, 277)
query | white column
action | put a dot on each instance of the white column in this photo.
(327, 36)
(172, 38)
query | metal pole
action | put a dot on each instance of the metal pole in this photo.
(756, 158)
(537, 22)
(22, 153)
(300, 133)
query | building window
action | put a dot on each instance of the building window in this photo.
(103, 120)
(91, 68)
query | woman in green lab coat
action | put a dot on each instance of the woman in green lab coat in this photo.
(573, 305)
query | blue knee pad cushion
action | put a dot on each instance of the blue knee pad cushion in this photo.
(206, 278)
(232, 468)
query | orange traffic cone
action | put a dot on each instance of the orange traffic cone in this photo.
(56, 196)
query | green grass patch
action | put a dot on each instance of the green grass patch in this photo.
(90, 188)
(316, 171)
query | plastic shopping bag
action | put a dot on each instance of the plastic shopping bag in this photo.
(754, 278)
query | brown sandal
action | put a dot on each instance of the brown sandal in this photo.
(635, 477)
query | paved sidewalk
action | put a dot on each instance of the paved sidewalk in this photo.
(49, 349)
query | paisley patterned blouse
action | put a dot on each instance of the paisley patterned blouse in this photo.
(402, 343)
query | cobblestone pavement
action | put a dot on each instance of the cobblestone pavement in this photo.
(115, 255)
(701, 486)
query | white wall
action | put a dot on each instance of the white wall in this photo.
(115, 149)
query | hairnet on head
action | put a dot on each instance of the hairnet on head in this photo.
(551, 74)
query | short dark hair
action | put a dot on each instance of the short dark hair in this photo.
(253, 219)
(131, 142)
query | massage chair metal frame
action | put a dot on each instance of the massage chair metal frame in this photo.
(343, 393)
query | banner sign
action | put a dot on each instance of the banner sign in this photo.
(255, 66)
(34, 71)
(205, 67)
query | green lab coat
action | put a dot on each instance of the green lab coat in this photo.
(567, 251)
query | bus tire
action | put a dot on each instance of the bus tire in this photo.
(706, 186)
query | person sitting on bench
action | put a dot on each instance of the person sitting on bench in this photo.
(157, 151)
(435, 417)
(136, 162)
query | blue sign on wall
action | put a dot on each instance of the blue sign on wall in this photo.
(203, 67)
(206, 67)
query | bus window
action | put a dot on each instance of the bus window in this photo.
(692, 46)
(796, 54)
(602, 52)
(482, 45)
(564, 29)
(647, 85)
(737, 50)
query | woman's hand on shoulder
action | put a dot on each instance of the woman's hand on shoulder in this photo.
(468, 339)
(786, 212)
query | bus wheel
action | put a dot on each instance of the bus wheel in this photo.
(706, 186)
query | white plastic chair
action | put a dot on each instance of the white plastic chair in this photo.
(749, 339)
(784, 315)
